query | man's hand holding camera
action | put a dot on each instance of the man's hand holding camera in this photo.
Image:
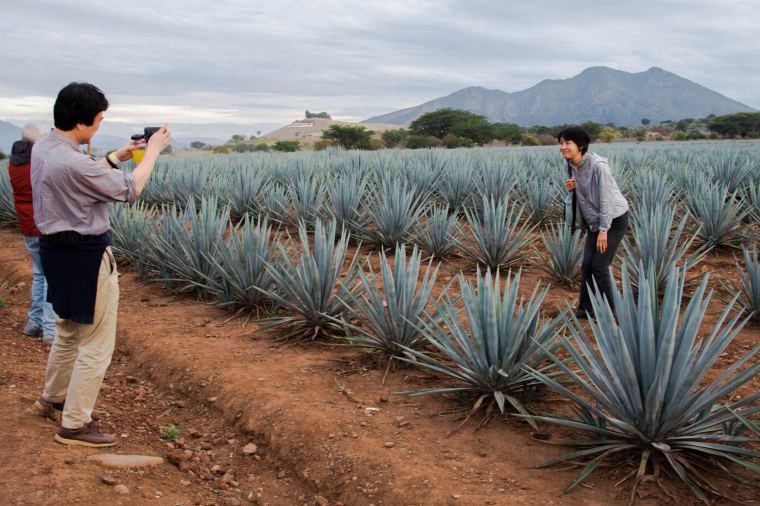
(158, 141)
(154, 139)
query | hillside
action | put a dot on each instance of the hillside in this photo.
(311, 129)
(598, 93)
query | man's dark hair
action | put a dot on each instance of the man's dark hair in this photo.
(78, 103)
(576, 134)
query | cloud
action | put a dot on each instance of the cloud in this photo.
(253, 62)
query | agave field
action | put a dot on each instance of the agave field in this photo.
(349, 247)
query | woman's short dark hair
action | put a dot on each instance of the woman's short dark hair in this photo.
(78, 103)
(576, 134)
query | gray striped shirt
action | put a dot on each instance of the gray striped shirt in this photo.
(70, 191)
(599, 197)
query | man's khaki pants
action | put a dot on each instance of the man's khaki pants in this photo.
(81, 353)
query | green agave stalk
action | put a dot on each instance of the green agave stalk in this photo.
(751, 197)
(455, 187)
(487, 351)
(392, 211)
(7, 208)
(309, 289)
(651, 189)
(307, 195)
(132, 229)
(644, 397)
(541, 199)
(565, 254)
(729, 168)
(239, 279)
(657, 245)
(497, 239)
(718, 213)
(347, 200)
(276, 203)
(394, 308)
(495, 182)
(435, 234)
(185, 242)
(747, 290)
(246, 192)
(422, 177)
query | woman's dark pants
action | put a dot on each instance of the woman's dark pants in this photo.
(596, 266)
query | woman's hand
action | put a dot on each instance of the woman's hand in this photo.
(601, 242)
(570, 184)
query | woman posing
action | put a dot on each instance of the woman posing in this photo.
(599, 202)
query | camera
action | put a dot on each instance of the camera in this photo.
(148, 132)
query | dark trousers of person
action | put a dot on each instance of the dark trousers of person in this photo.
(596, 265)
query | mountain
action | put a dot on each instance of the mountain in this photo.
(9, 133)
(599, 94)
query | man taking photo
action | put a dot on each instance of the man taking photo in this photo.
(70, 193)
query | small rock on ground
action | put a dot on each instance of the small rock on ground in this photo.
(114, 460)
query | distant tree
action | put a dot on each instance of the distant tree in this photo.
(439, 123)
(683, 124)
(322, 144)
(394, 137)
(530, 140)
(221, 149)
(258, 133)
(168, 150)
(452, 141)
(593, 128)
(476, 128)
(3, 156)
(508, 132)
(348, 136)
(323, 115)
(241, 148)
(645, 121)
(197, 145)
(286, 146)
(423, 141)
(641, 134)
(238, 138)
(741, 124)
(608, 134)
(376, 143)
(260, 147)
(541, 130)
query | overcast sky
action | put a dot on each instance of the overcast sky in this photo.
(257, 62)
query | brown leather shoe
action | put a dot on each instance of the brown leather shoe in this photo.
(89, 435)
(47, 409)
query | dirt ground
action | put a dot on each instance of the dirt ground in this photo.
(327, 430)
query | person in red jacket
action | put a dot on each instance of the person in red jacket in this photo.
(41, 318)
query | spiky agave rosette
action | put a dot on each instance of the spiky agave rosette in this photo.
(640, 397)
(394, 308)
(309, 288)
(487, 351)
(747, 290)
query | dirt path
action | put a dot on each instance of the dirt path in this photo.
(36, 470)
(326, 430)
